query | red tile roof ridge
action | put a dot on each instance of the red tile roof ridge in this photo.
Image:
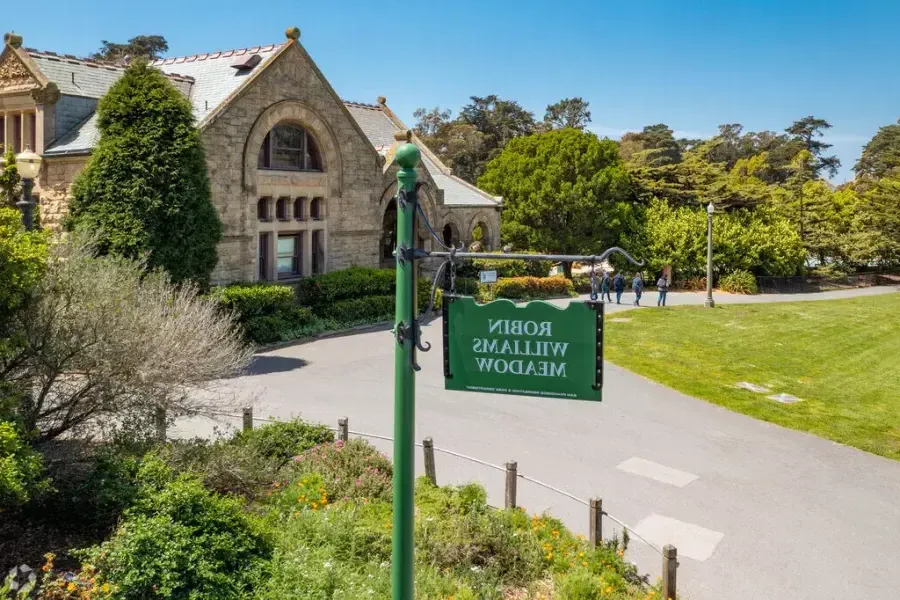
(212, 55)
(97, 64)
(363, 105)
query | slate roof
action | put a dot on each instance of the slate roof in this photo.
(214, 77)
(78, 140)
(88, 78)
(380, 127)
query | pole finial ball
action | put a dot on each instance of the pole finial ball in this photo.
(408, 156)
(292, 33)
(12, 39)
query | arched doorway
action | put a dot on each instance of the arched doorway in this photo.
(388, 235)
(450, 235)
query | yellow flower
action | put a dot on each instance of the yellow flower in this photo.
(549, 556)
(71, 587)
(584, 563)
(105, 588)
(555, 533)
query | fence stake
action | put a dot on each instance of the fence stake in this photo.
(669, 568)
(596, 522)
(430, 471)
(343, 429)
(248, 419)
(160, 418)
(511, 476)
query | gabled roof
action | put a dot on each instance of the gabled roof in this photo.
(88, 78)
(215, 79)
(379, 124)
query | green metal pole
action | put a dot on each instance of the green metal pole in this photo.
(402, 566)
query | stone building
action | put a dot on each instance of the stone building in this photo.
(303, 181)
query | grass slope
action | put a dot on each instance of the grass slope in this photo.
(842, 357)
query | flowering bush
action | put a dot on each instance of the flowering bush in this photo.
(283, 440)
(527, 288)
(351, 470)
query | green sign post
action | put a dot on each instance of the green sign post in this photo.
(536, 349)
(402, 578)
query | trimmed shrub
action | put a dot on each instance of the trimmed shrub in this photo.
(739, 282)
(283, 440)
(180, 541)
(255, 299)
(526, 288)
(145, 191)
(283, 326)
(321, 290)
(21, 470)
(369, 309)
(582, 284)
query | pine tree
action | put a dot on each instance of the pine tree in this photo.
(145, 192)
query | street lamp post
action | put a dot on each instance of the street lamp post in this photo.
(710, 303)
(28, 165)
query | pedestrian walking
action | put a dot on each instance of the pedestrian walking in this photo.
(662, 287)
(594, 284)
(619, 286)
(604, 287)
(637, 286)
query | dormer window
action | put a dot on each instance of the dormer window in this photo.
(247, 62)
(289, 148)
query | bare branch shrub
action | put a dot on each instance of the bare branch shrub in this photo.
(105, 343)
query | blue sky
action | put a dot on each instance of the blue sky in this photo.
(692, 65)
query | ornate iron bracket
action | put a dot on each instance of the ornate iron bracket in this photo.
(600, 309)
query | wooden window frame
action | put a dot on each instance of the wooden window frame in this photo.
(308, 159)
(262, 259)
(297, 256)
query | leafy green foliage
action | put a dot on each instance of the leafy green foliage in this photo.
(282, 440)
(180, 541)
(875, 231)
(568, 112)
(320, 290)
(530, 288)
(9, 179)
(21, 469)
(255, 299)
(806, 132)
(757, 241)
(739, 282)
(563, 192)
(23, 258)
(881, 155)
(145, 191)
(150, 47)
(369, 309)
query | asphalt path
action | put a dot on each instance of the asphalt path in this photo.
(755, 510)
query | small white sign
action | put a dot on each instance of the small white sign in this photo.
(488, 276)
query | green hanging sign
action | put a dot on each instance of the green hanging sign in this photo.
(535, 349)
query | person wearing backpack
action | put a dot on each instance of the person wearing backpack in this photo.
(663, 287)
(637, 286)
(604, 287)
(619, 286)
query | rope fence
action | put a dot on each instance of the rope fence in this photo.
(595, 505)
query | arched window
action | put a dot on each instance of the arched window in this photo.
(289, 148)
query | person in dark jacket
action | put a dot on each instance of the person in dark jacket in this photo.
(594, 284)
(619, 286)
(663, 287)
(637, 286)
(604, 287)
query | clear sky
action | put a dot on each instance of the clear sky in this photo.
(690, 64)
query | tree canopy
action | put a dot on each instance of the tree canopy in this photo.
(145, 193)
(564, 191)
(149, 47)
(881, 155)
(568, 112)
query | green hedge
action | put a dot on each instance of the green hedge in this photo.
(255, 299)
(267, 329)
(505, 267)
(355, 282)
(526, 288)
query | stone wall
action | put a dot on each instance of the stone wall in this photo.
(292, 89)
(55, 186)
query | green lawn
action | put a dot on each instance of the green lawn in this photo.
(842, 357)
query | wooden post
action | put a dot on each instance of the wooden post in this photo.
(511, 476)
(343, 429)
(248, 419)
(596, 522)
(160, 418)
(669, 567)
(428, 449)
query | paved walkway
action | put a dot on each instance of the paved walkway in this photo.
(756, 511)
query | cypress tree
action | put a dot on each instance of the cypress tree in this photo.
(145, 193)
